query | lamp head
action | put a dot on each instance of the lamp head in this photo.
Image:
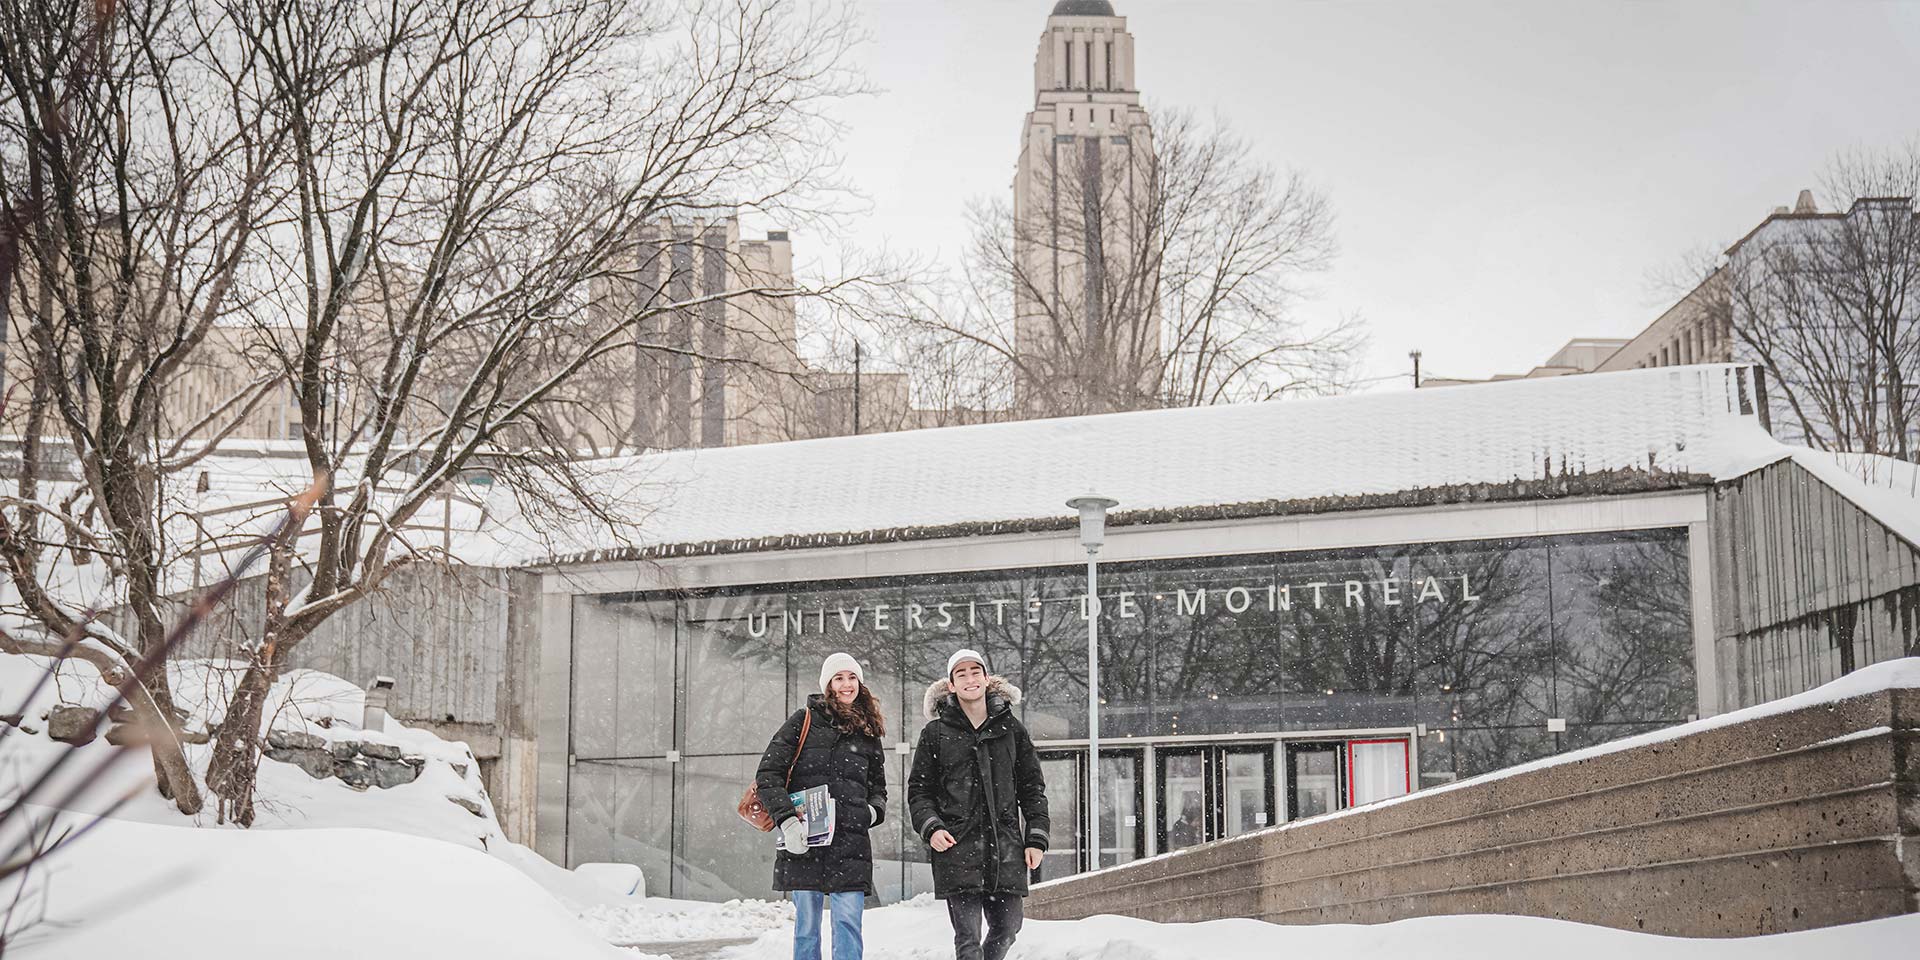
(1093, 517)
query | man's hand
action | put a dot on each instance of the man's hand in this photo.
(941, 841)
(1033, 858)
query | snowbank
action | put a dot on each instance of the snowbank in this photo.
(404, 870)
(176, 892)
(918, 930)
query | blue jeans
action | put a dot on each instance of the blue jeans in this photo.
(846, 909)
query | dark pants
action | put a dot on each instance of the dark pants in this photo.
(1003, 916)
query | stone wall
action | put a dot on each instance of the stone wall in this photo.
(1804, 819)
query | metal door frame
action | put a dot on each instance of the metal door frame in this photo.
(1082, 835)
(1213, 784)
(1336, 747)
(1268, 772)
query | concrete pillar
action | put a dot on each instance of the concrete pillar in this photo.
(1059, 41)
(1098, 55)
(1077, 48)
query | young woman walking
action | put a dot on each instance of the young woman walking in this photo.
(842, 727)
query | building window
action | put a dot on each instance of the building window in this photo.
(1069, 114)
(1111, 83)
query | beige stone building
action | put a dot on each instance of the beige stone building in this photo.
(1079, 195)
(1580, 355)
(1693, 330)
(1698, 328)
(723, 372)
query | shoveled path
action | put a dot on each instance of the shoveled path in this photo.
(688, 949)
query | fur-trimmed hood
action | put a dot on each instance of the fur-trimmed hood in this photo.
(997, 686)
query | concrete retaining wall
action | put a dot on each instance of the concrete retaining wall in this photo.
(1804, 819)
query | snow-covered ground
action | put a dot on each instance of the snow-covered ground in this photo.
(917, 930)
(329, 872)
(313, 894)
(660, 920)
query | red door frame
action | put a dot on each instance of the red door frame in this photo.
(1406, 758)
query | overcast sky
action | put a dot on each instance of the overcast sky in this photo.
(1506, 176)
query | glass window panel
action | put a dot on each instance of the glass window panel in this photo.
(1217, 657)
(1130, 629)
(1472, 751)
(619, 811)
(1347, 640)
(596, 673)
(1053, 648)
(870, 625)
(1623, 628)
(645, 635)
(736, 674)
(1485, 645)
(1580, 735)
(716, 856)
(983, 615)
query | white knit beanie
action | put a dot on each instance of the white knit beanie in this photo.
(836, 663)
(961, 656)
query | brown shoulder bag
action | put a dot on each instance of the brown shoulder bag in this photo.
(751, 809)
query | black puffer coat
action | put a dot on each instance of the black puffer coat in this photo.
(854, 768)
(978, 785)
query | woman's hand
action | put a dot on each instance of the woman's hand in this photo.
(1033, 858)
(941, 841)
(793, 836)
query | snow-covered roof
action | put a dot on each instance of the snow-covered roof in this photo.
(1620, 432)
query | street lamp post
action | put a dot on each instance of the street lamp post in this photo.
(1093, 527)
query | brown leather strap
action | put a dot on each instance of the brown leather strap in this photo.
(806, 724)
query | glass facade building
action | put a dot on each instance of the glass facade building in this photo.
(1236, 691)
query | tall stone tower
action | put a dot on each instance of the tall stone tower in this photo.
(1086, 325)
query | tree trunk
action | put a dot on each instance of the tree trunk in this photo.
(171, 771)
(236, 751)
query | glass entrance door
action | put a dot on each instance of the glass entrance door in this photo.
(1122, 828)
(1316, 778)
(1208, 792)
(1066, 793)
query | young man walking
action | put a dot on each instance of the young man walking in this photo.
(975, 778)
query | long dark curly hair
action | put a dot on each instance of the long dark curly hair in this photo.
(860, 716)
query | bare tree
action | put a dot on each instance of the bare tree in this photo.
(418, 215)
(130, 213)
(1829, 305)
(1161, 277)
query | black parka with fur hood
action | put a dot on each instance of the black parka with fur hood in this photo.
(978, 785)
